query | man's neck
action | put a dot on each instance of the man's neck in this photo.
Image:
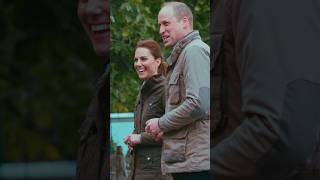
(183, 37)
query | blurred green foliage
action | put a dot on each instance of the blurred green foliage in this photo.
(132, 20)
(47, 70)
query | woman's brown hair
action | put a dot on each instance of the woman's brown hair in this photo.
(155, 51)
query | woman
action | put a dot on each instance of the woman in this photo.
(150, 103)
(93, 156)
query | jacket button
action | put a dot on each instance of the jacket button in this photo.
(148, 158)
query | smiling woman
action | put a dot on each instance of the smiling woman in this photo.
(93, 161)
(150, 68)
(147, 59)
(145, 64)
(94, 16)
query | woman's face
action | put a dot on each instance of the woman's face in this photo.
(145, 64)
(94, 17)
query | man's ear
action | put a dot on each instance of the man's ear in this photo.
(186, 22)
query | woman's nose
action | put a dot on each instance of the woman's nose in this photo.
(95, 7)
(139, 63)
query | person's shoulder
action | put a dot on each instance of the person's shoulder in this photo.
(196, 45)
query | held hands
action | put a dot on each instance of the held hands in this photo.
(152, 128)
(131, 140)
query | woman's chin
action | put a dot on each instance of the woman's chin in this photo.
(143, 77)
(101, 50)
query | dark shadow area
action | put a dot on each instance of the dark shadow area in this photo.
(47, 74)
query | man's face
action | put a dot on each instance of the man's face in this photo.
(94, 16)
(171, 29)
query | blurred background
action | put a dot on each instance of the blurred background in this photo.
(47, 71)
(132, 20)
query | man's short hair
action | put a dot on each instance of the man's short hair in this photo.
(180, 10)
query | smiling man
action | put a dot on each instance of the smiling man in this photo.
(93, 154)
(185, 125)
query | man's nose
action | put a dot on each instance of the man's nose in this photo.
(161, 30)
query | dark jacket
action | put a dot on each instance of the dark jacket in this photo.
(93, 154)
(150, 104)
(266, 106)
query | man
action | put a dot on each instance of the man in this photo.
(93, 155)
(267, 82)
(185, 125)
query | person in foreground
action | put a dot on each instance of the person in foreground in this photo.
(266, 107)
(150, 103)
(185, 127)
(93, 154)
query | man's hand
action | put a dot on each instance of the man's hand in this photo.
(152, 127)
(159, 136)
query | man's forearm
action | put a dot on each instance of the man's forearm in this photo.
(189, 111)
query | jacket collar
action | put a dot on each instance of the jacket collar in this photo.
(180, 45)
(152, 82)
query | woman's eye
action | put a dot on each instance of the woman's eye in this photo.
(144, 58)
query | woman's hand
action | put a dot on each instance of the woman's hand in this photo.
(132, 139)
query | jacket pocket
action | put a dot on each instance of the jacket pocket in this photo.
(153, 109)
(148, 158)
(174, 146)
(88, 156)
(174, 89)
(153, 104)
(152, 162)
